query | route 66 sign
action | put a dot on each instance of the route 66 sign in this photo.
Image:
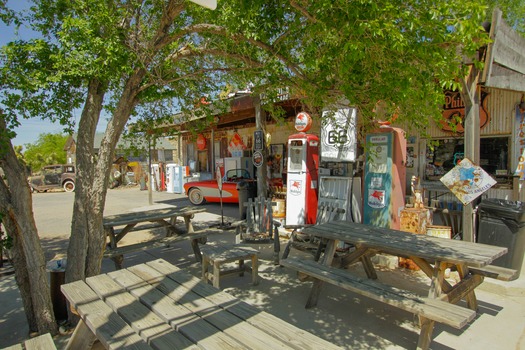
(338, 135)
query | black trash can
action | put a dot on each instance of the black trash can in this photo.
(502, 223)
(246, 189)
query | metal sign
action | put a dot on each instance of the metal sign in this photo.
(338, 135)
(257, 158)
(258, 137)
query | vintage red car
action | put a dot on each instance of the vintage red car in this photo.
(207, 190)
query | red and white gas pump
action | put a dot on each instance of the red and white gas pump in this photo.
(302, 178)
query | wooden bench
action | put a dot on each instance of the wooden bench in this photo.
(215, 256)
(427, 309)
(198, 237)
(42, 342)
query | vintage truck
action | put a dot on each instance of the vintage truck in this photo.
(53, 177)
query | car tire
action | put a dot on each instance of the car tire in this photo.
(195, 196)
(69, 186)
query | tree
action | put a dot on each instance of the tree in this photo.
(48, 149)
(122, 56)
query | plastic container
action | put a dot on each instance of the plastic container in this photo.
(502, 223)
(246, 190)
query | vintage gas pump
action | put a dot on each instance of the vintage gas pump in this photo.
(384, 178)
(302, 181)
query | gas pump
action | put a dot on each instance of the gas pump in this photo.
(301, 190)
(384, 178)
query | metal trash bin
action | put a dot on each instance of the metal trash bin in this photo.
(502, 223)
(246, 190)
(57, 277)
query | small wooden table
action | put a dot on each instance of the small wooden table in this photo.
(157, 305)
(432, 254)
(215, 256)
(149, 219)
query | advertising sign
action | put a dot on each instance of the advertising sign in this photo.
(338, 135)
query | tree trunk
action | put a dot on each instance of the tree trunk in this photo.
(88, 239)
(17, 209)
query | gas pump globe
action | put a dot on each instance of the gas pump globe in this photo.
(302, 183)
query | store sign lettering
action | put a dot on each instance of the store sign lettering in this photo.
(454, 112)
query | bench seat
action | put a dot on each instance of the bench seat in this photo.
(496, 272)
(429, 310)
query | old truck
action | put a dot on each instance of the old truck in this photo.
(54, 177)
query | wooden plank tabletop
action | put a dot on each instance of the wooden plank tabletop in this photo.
(408, 244)
(158, 305)
(148, 215)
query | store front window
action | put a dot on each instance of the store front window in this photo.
(444, 154)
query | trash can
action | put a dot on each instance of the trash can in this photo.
(57, 277)
(246, 189)
(502, 223)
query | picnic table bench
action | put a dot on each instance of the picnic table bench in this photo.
(432, 254)
(159, 306)
(118, 226)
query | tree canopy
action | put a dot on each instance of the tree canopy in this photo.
(47, 149)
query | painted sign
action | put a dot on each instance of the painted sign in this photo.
(338, 135)
(454, 112)
(467, 181)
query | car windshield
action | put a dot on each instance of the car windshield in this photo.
(237, 174)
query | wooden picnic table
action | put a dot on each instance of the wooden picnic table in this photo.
(432, 254)
(159, 306)
(146, 220)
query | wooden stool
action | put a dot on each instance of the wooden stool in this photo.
(217, 255)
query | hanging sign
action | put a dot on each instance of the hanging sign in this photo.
(201, 142)
(258, 140)
(236, 146)
(338, 135)
(303, 122)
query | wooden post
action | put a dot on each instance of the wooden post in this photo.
(470, 95)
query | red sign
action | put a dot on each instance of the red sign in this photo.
(303, 122)
(454, 112)
(201, 142)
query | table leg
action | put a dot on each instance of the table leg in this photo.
(205, 267)
(196, 249)
(437, 280)
(255, 269)
(318, 284)
(118, 260)
(216, 274)
(425, 336)
(82, 337)
(241, 267)
(470, 296)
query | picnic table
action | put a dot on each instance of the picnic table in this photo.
(147, 220)
(432, 254)
(156, 305)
